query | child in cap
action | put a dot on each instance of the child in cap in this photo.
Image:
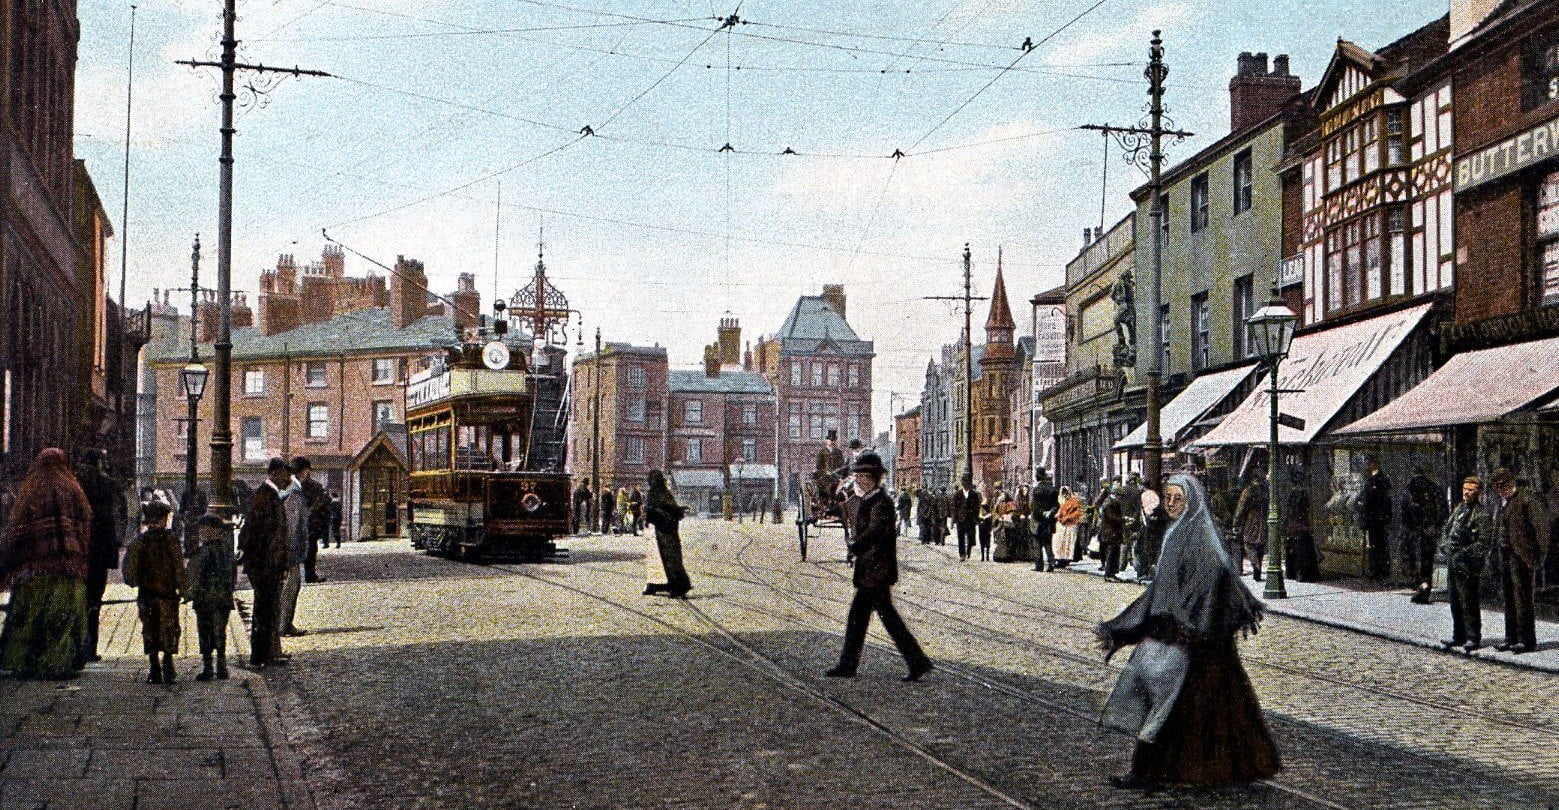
(154, 566)
(211, 592)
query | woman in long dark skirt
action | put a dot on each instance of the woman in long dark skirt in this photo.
(664, 513)
(1184, 694)
(44, 554)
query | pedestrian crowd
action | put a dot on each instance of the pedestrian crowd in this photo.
(60, 538)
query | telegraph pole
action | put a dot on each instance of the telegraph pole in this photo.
(595, 429)
(1148, 137)
(222, 417)
(968, 298)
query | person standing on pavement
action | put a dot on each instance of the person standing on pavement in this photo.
(262, 546)
(316, 515)
(1069, 515)
(581, 515)
(1465, 540)
(1043, 504)
(1423, 515)
(154, 566)
(45, 554)
(1002, 528)
(988, 518)
(1522, 534)
(1110, 517)
(210, 577)
(101, 497)
(335, 517)
(1184, 694)
(966, 514)
(905, 504)
(873, 532)
(636, 509)
(1304, 562)
(296, 506)
(1375, 519)
(1250, 525)
(1022, 529)
(608, 510)
(664, 513)
(624, 515)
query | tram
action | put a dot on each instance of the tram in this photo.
(485, 437)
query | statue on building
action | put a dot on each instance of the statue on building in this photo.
(1124, 296)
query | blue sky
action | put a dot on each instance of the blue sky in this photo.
(650, 229)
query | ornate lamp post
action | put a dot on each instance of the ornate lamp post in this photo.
(193, 376)
(1271, 332)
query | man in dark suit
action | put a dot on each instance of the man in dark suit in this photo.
(966, 514)
(873, 534)
(262, 545)
(104, 553)
(317, 508)
(1375, 519)
(1043, 503)
(1522, 533)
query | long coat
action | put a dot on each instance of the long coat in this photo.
(966, 505)
(265, 536)
(99, 489)
(1522, 530)
(874, 535)
(1375, 501)
(1250, 516)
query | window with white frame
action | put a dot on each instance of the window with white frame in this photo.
(384, 413)
(633, 449)
(833, 375)
(251, 432)
(695, 451)
(1395, 153)
(319, 420)
(254, 381)
(384, 370)
(817, 374)
(794, 423)
(693, 411)
(636, 410)
(855, 375)
(1396, 248)
(315, 375)
(795, 373)
(1201, 331)
(1243, 178)
(749, 413)
(1199, 203)
(749, 449)
(1244, 307)
(636, 378)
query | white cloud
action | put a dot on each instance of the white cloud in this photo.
(1103, 43)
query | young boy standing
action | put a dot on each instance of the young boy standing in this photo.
(211, 591)
(155, 567)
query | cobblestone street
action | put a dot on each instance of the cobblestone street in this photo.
(429, 683)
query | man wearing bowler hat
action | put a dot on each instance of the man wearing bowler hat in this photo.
(873, 534)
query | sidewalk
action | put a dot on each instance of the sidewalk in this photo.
(110, 741)
(1387, 613)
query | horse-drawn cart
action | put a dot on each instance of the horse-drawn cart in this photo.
(822, 508)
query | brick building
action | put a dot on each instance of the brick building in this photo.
(822, 372)
(721, 434)
(46, 295)
(995, 376)
(906, 449)
(318, 388)
(633, 407)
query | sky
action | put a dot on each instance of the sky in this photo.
(437, 109)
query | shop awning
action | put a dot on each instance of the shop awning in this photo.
(1326, 368)
(753, 472)
(1189, 406)
(1472, 387)
(698, 479)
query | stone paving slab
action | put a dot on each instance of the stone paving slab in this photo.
(109, 741)
(1389, 614)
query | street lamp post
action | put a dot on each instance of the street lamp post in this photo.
(1271, 331)
(194, 379)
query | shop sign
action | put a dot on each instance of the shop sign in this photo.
(1050, 337)
(428, 390)
(1551, 273)
(1513, 154)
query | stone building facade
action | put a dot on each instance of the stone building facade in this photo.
(936, 422)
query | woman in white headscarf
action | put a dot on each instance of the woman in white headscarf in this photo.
(1184, 694)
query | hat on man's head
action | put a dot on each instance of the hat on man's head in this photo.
(155, 512)
(833, 435)
(277, 463)
(855, 444)
(301, 463)
(1501, 477)
(966, 478)
(868, 462)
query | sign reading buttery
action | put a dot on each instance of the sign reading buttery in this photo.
(1513, 154)
(1331, 366)
(424, 391)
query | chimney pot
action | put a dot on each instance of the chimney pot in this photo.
(1280, 65)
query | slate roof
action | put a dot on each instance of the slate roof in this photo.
(363, 331)
(694, 381)
(811, 322)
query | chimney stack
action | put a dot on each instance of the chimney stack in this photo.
(468, 303)
(279, 305)
(711, 361)
(243, 316)
(408, 293)
(1256, 94)
(833, 295)
(730, 342)
(747, 358)
(207, 317)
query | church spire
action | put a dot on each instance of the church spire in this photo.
(999, 326)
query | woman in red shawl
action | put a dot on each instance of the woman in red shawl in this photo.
(44, 552)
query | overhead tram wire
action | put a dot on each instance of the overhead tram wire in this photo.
(473, 32)
(1026, 51)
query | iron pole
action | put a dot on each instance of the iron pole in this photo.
(1153, 445)
(221, 412)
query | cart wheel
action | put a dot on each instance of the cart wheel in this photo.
(801, 530)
